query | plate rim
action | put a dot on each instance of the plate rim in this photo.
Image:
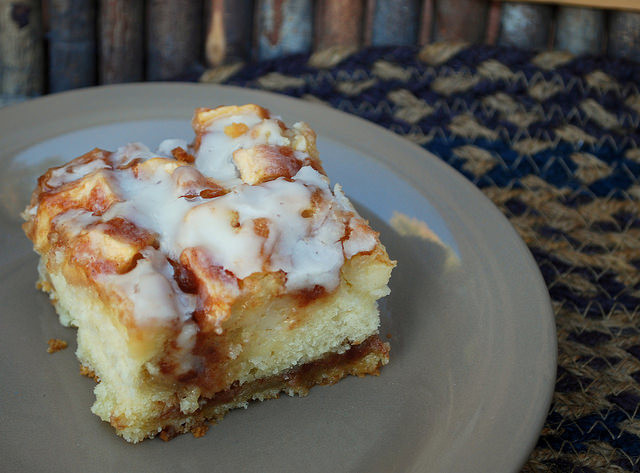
(11, 126)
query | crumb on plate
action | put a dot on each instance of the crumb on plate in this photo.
(55, 344)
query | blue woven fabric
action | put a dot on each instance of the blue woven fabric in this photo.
(553, 141)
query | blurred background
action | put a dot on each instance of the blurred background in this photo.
(55, 45)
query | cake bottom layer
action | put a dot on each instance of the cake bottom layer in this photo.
(139, 404)
(360, 360)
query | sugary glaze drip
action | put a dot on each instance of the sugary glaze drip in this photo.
(177, 232)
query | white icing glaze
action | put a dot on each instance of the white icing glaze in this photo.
(74, 221)
(156, 298)
(215, 156)
(147, 288)
(308, 250)
(166, 146)
(125, 154)
(152, 195)
(342, 199)
(153, 203)
(315, 259)
(32, 211)
(358, 242)
(71, 173)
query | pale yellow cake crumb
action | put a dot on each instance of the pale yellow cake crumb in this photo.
(200, 431)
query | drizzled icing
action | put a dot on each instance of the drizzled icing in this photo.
(307, 249)
(153, 202)
(149, 288)
(215, 155)
(125, 154)
(156, 298)
(295, 225)
(66, 174)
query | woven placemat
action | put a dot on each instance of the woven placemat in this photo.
(553, 141)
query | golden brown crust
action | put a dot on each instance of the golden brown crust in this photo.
(89, 373)
(194, 184)
(264, 163)
(94, 193)
(203, 117)
(55, 345)
(303, 138)
(181, 155)
(217, 289)
(200, 430)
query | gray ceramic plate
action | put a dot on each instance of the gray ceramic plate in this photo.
(472, 333)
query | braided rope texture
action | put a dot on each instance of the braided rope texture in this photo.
(553, 141)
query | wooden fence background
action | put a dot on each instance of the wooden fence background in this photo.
(55, 45)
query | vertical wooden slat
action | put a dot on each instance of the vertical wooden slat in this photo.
(580, 30)
(21, 50)
(173, 37)
(624, 35)
(121, 41)
(229, 30)
(461, 20)
(493, 22)
(369, 11)
(338, 23)
(45, 8)
(394, 22)
(283, 27)
(425, 32)
(526, 26)
(72, 44)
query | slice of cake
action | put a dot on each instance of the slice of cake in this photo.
(204, 276)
